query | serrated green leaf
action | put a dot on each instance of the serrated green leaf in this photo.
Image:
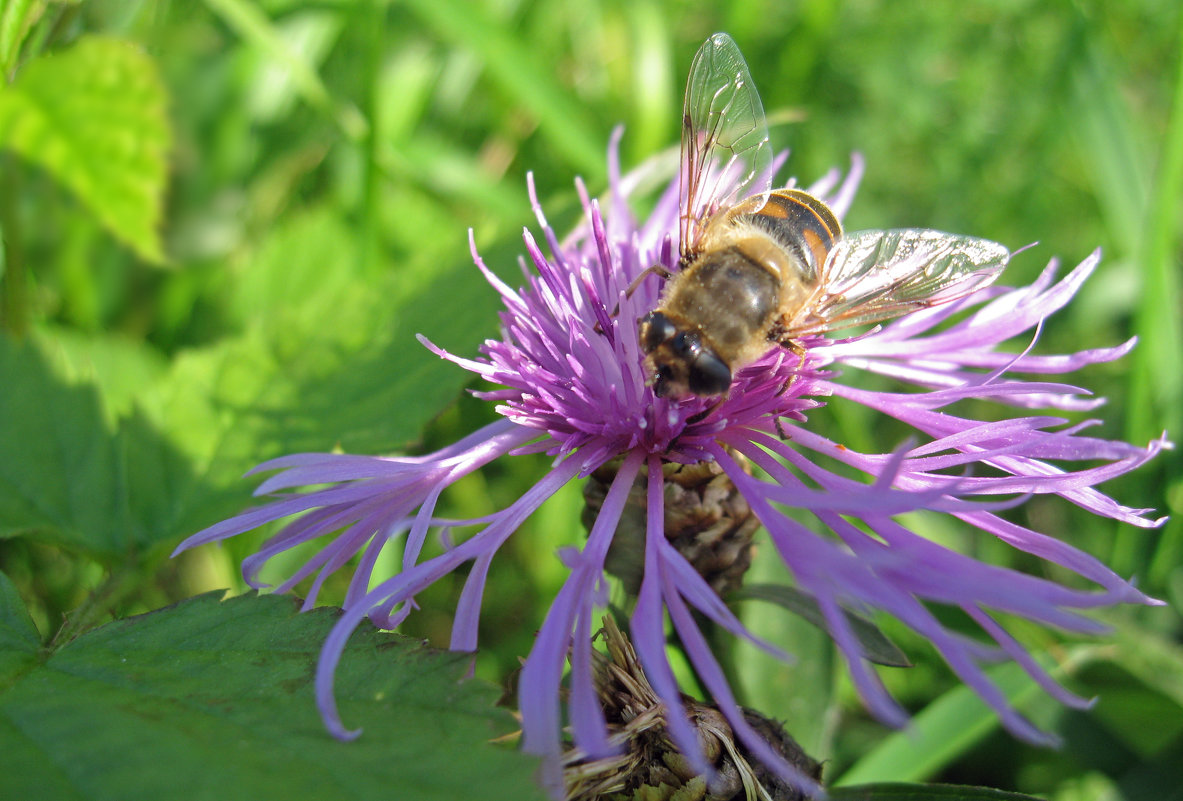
(121, 369)
(214, 699)
(94, 117)
(57, 461)
(235, 404)
(19, 640)
(330, 358)
(874, 643)
(923, 792)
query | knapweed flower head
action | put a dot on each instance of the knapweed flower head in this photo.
(570, 383)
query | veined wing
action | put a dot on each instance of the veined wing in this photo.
(725, 151)
(871, 276)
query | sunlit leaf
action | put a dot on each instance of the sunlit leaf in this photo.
(94, 117)
(329, 359)
(16, 17)
(108, 451)
(945, 729)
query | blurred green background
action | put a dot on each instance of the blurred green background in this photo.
(324, 162)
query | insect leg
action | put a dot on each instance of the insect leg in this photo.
(636, 282)
(794, 346)
(655, 268)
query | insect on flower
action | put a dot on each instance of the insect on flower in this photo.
(758, 268)
(761, 267)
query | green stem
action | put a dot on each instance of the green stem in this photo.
(98, 605)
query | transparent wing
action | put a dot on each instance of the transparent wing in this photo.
(874, 275)
(725, 151)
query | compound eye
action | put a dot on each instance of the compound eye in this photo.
(709, 375)
(663, 385)
(655, 328)
(686, 345)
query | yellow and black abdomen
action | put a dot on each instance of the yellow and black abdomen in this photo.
(797, 221)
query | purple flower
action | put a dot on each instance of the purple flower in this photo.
(571, 384)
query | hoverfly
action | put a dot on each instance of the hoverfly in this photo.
(763, 267)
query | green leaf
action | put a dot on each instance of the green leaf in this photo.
(58, 462)
(105, 450)
(338, 369)
(211, 699)
(94, 117)
(949, 726)
(19, 641)
(304, 279)
(1145, 715)
(121, 369)
(71, 474)
(923, 792)
(16, 17)
(1156, 661)
(874, 643)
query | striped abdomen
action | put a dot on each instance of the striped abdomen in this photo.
(797, 221)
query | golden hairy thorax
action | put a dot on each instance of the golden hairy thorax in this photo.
(759, 262)
(752, 269)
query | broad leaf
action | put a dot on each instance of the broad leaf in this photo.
(214, 699)
(94, 117)
(19, 640)
(104, 449)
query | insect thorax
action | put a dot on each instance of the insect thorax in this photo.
(730, 295)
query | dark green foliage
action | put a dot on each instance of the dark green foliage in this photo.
(212, 698)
